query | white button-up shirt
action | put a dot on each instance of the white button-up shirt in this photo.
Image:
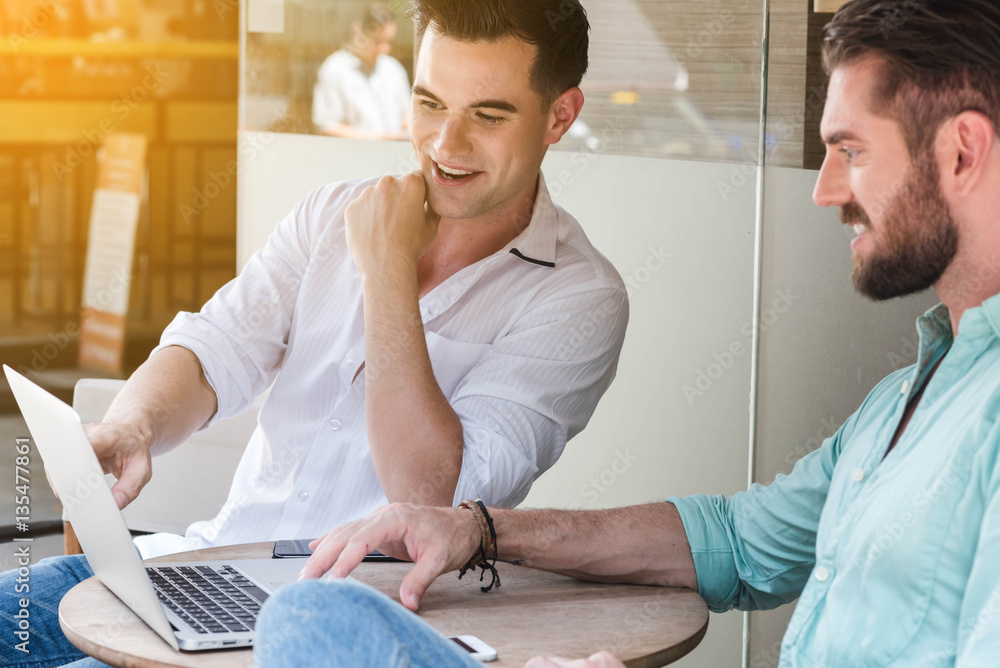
(523, 344)
(345, 94)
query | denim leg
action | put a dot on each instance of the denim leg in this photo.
(345, 623)
(89, 662)
(44, 586)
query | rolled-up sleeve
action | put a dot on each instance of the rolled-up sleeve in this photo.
(241, 333)
(754, 550)
(536, 389)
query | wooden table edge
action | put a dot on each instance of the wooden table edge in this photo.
(670, 654)
(92, 649)
(657, 659)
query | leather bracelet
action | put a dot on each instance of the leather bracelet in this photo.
(492, 545)
(484, 529)
(488, 545)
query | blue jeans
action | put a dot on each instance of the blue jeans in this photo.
(47, 582)
(345, 623)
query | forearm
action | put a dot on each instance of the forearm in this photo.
(414, 436)
(166, 399)
(638, 544)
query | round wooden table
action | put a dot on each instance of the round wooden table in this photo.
(532, 613)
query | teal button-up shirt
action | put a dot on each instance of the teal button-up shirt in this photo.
(895, 559)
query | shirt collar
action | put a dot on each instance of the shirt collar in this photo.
(982, 318)
(975, 321)
(934, 330)
(937, 318)
(537, 243)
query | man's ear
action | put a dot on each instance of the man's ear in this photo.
(965, 148)
(563, 113)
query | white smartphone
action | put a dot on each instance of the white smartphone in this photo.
(476, 648)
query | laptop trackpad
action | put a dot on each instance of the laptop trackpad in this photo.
(271, 573)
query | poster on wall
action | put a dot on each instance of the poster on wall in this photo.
(114, 217)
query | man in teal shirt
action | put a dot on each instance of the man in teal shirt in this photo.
(889, 534)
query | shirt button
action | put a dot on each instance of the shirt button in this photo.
(303, 495)
(349, 364)
(822, 573)
(906, 387)
(335, 424)
(857, 475)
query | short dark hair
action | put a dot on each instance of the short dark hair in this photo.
(558, 28)
(938, 59)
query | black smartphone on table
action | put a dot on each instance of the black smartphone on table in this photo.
(294, 549)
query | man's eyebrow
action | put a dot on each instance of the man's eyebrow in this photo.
(423, 92)
(499, 105)
(840, 136)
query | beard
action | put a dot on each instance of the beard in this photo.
(916, 242)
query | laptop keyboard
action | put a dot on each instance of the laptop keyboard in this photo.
(210, 599)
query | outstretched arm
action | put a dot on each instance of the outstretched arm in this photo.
(163, 403)
(637, 544)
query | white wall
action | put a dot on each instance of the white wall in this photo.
(695, 308)
(684, 316)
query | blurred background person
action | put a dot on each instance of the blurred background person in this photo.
(361, 91)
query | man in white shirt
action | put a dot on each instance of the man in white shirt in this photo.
(361, 91)
(470, 391)
(429, 337)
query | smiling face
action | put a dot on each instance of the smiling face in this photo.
(906, 236)
(478, 128)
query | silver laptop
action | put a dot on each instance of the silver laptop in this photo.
(197, 605)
